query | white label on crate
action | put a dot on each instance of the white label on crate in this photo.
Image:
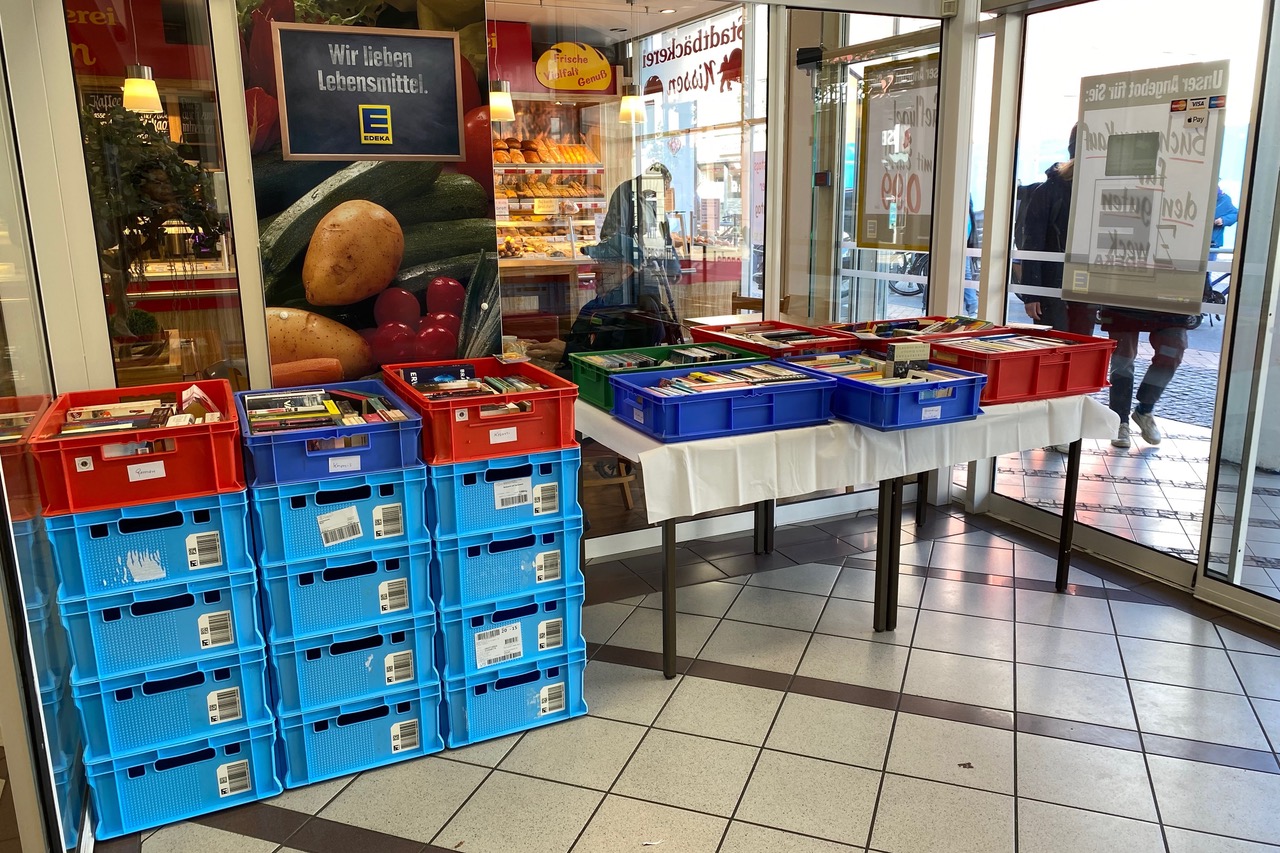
(225, 706)
(146, 471)
(502, 436)
(341, 525)
(388, 521)
(84, 463)
(551, 699)
(546, 499)
(233, 778)
(547, 565)
(930, 413)
(204, 550)
(498, 645)
(460, 415)
(344, 464)
(550, 634)
(215, 629)
(393, 595)
(404, 736)
(512, 493)
(398, 666)
(637, 415)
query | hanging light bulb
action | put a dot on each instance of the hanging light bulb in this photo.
(631, 111)
(500, 106)
(140, 93)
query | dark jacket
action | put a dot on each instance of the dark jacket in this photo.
(1045, 227)
(638, 313)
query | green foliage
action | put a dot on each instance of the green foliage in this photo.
(334, 12)
(142, 323)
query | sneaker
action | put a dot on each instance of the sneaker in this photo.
(1122, 437)
(1059, 448)
(1147, 426)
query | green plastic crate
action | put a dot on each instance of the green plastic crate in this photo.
(593, 380)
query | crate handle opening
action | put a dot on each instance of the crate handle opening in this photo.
(342, 573)
(231, 749)
(473, 551)
(183, 760)
(222, 674)
(137, 772)
(311, 654)
(516, 680)
(551, 606)
(500, 545)
(163, 605)
(513, 613)
(506, 410)
(363, 716)
(201, 516)
(355, 493)
(397, 637)
(162, 521)
(130, 449)
(338, 444)
(495, 474)
(168, 685)
(124, 694)
(349, 646)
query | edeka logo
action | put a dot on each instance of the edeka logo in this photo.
(375, 124)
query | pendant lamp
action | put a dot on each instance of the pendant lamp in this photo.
(140, 93)
(500, 106)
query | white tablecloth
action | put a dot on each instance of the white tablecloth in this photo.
(692, 477)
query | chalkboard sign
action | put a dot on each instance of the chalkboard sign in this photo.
(198, 114)
(359, 93)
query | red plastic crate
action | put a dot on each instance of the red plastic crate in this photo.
(453, 430)
(881, 345)
(840, 341)
(15, 457)
(78, 473)
(1077, 367)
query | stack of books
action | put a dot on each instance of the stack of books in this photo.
(194, 407)
(455, 381)
(1008, 343)
(13, 425)
(742, 377)
(914, 327)
(281, 411)
(677, 357)
(875, 371)
(766, 334)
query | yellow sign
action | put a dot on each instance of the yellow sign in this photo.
(574, 67)
(375, 124)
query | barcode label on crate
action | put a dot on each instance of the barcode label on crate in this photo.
(512, 493)
(146, 471)
(399, 666)
(502, 436)
(215, 629)
(388, 521)
(498, 645)
(547, 565)
(931, 413)
(546, 499)
(393, 595)
(204, 550)
(341, 525)
(550, 634)
(404, 736)
(225, 706)
(233, 778)
(344, 464)
(551, 699)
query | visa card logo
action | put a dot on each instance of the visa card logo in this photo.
(375, 124)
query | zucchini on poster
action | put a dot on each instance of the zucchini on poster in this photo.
(376, 227)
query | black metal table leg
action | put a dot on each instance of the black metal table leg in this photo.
(669, 598)
(764, 526)
(1068, 513)
(888, 547)
(922, 497)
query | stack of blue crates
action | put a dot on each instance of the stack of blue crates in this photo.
(161, 615)
(508, 580)
(344, 565)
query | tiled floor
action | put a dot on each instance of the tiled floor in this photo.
(999, 716)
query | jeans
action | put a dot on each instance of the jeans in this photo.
(1169, 344)
(971, 302)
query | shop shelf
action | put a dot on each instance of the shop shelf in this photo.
(486, 566)
(514, 698)
(136, 547)
(164, 626)
(1079, 366)
(319, 745)
(459, 430)
(149, 789)
(79, 473)
(322, 519)
(167, 707)
(902, 406)
(494, 495)
(333, 669)
(309, 597)
(731, 335)
(593, 380)
(736, 411)
(483, 637)
(313, 454)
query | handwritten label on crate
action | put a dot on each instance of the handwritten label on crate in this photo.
(204, 550)
(146, 471)
(502, 436)
(547, 566)
(498, 645)
(215, 629)
(225, 706)
(512, 493)
(341, 525)
(931, 413)
(344, 464)
(233, 778)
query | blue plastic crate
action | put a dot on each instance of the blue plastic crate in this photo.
(498, 494)
(515, 698)
(318, 745)
(163, 626)
(336, 594)
(737, 411)
(152, 788)
(334, 451)
(902, 406)
(484, 637)
(114, 550)
(70, 786)
(486, 566)
(321, 519)
(335, 669)
(165, 707)
(35, 563)
(48, 646)
(62, 727)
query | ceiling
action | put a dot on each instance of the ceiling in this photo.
(598, 22)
